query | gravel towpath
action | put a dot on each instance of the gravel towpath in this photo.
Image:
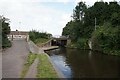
(32, 70)
(13, 59)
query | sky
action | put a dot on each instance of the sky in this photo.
(49, 16)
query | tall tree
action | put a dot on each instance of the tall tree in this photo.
(5, 32)
(79, 11)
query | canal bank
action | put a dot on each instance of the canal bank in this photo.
(40, 51)
(60, 75)
(73, 63)
(94, 47)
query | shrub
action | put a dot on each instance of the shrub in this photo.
(108, 39)
(82, 43)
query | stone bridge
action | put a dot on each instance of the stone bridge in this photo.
(56, 42)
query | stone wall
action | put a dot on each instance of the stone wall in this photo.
(34, 48)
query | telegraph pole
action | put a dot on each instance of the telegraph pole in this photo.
(95, 23)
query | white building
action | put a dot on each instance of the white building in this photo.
(18, 35)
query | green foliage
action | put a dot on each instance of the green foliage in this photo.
(82, 43)
(6, 43)
(45, 68)
(5, 32)
(35, 35)
(108, 38)
(82, 27)
(41, 40)
(79, 11)
(77, 28)
(70, 30)
(30, 59)
(115, 19)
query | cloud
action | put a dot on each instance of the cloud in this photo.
(31, 14)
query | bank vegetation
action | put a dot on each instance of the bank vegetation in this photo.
(39, 37)
(4, 31)
(99, 24)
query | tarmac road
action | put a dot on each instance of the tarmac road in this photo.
(14, 58)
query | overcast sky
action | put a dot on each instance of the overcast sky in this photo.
(42, 15)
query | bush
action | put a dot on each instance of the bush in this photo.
(82, 43)
(6, 43)
(37, 35)
(108, 39)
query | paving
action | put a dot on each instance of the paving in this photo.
(14, 58)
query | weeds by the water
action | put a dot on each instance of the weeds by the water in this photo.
(45, 68)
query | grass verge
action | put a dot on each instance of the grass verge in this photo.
(30, 59)
(45, 68)
(40, 41)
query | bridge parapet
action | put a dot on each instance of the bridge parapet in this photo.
(46, 44)
(62, 41)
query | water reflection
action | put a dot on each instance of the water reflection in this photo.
(76, 63)
(60, 61)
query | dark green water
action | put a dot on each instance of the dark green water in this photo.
(74, 63)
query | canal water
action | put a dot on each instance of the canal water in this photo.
(75, 63)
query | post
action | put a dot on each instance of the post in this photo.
(12, 37)
(95, 23)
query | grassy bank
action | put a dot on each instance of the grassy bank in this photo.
(81, 43)
(96, 47)
(112, 52)
(45, 68)
(30, 59)
(41, 40)
(39, 37)
(107, 38)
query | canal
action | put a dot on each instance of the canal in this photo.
(75, 63)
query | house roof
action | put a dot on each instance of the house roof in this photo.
(19, 33)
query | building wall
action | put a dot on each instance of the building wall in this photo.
(10, 37)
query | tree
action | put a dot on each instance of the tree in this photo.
(82, 28)
(115, 19)
(79, 11)
(5, 32)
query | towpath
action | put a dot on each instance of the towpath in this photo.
(14, 58)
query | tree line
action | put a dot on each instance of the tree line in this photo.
(5, 30)
(99, 23)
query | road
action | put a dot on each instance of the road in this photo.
(14, 58)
